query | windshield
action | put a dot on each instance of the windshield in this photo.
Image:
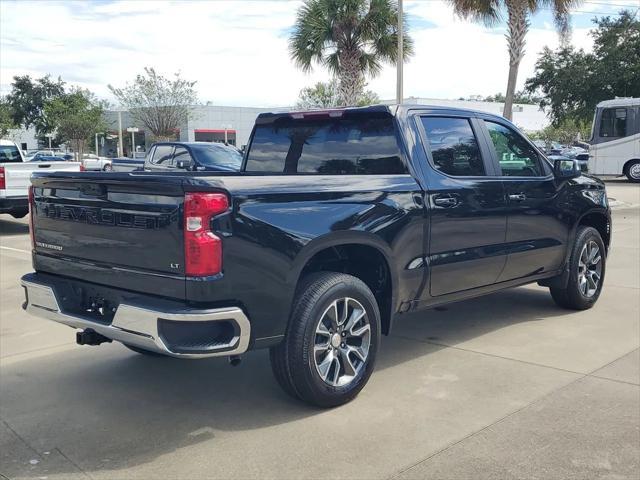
(9, 153)
(212, 155)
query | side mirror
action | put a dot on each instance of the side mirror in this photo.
(184, 165)
(565, 168)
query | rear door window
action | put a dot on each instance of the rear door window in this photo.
(163, 155)
(9, 154)
(613, 122)
(454, 148)
(362, 144)
(517, 158)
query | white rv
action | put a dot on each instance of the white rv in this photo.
(615, 139)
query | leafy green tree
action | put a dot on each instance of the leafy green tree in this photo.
(518, 13)
(77, 117)
(519, 97)
(28, 98)
(6, 118)
(327, 95)
(572, 82)
(351, 38)
(162, 105)
(566, 132)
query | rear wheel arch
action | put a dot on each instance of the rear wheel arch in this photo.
(363, 257)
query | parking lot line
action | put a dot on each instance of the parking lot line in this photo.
(14, 249)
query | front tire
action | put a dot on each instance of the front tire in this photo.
(107, 168)
(633, 171)
(586, 272)
(332, 339)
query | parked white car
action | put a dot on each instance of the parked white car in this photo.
(15, 175)
(91, 161)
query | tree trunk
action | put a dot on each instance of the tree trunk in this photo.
(351, 80)
(518, 27)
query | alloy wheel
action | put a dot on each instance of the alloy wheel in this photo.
(341, 343)
(589, 269)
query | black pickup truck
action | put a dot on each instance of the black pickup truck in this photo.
(338, 223)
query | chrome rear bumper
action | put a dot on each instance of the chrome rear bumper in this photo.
(139, 327)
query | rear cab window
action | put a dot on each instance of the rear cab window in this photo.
(9, 154)
(351, 144)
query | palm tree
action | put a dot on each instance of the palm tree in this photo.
(351, 38)
(518, 12)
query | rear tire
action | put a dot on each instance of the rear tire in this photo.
(586, 272)
(20, 213)
(633, 171)
(329, 350)
(142, 351)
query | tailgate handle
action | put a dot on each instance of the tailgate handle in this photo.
(43, 166)
(93, 190)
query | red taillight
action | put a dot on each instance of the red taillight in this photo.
(82, 169)
(32, 232)
(202, 249)
(3, 183)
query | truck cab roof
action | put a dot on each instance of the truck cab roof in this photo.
(393, 109)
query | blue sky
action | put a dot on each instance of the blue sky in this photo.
(237, 50)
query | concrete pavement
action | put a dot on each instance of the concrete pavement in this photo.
(505, 386)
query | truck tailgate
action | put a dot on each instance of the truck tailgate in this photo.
(114, 229)
(17, 174)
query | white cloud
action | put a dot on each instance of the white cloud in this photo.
(237, 51)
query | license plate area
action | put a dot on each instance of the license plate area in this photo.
(87, 301)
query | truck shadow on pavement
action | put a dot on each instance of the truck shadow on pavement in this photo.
(8, 228)
(108, 408)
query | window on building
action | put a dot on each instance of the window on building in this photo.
(517, 158)
(352, 144)
(454, 148)
(613, 122)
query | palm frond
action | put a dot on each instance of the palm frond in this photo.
(488, 12)
(561, 13)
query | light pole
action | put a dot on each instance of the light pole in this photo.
(120, 146)
(399, 93)
(49, 136)
(226, 136)
(97, 149)
(133, 131)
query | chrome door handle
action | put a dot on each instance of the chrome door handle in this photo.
(518, 197)
(445, 202)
